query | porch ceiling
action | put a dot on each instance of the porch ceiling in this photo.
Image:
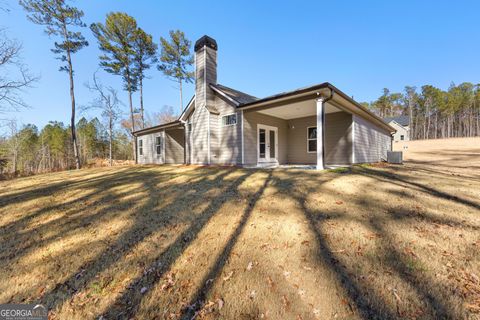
(297, 110)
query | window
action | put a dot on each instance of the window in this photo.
(312, 139)
(140, 147)
(402, 137)
(158, 144)
(229, 120)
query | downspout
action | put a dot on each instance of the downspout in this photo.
(332, 92)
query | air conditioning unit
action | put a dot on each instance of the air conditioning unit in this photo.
(395, 157)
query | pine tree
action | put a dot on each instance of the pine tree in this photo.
(116, 38)
(145, 55)
(175, 60)
(58, 17)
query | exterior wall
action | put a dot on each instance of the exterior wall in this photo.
(401, 131)
(252, 119)
(149, 150)
(174, 146)
(338, 139)
(228, 139)
(205, 73)
(199, 135)
(204, 148)
(297, 141)
(370, 143)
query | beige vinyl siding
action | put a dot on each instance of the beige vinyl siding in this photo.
(211, 74)
(150, 155)
(199, 78)
(297, 141)
(214, 138)
(188, 147)
(205, 73)
(370, 142)
(174, 146)
(252, 119)
(200, 135)
(338, 139)
(229, 137)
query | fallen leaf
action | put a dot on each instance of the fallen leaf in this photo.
(227, 277)
(220, 303)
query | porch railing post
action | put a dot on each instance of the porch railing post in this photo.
(320, 118)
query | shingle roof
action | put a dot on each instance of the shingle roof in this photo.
(401, 120)
(237, 96)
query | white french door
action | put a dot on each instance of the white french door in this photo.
(267, 142)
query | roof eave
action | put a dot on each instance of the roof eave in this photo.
(157, 128)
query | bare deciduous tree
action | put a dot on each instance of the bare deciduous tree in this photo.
(14, 76)
(108, 102)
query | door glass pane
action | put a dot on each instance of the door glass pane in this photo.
(272, 144)
(262, 143)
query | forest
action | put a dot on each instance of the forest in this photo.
(434, 113)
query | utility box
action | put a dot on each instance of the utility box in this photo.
(395, 157)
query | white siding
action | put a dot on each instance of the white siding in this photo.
(371, 143)
(149, 150)
(401, 131)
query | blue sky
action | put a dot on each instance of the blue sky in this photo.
(266, 47)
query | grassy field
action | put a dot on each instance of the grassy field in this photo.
(166, 242)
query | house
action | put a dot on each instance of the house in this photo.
(317, 125)
(402, 126)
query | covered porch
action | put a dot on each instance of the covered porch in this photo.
(310, 132)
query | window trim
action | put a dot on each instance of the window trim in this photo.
(140, 147)
(158, 138)
(308, 139)
(228, 115)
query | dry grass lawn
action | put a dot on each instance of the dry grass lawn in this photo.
(168, 242)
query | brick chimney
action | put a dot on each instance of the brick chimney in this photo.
(205, 70)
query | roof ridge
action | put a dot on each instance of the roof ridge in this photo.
(230, 88)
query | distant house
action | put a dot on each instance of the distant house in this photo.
(402, 127)
(318, 125)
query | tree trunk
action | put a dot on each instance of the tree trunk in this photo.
(15, 157)
(72, 98)
(181, 97)
(110, 142)
(132, 119)
(141, 102)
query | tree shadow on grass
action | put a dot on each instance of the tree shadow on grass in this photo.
(127, 304)
(17, 242)
(199, 298)
(369, 304)
(402, 180)
(142, 227)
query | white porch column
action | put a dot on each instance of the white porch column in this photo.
(320, 111)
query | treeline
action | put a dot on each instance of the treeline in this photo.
(32, 151)
(434, 113)
(126, 51)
